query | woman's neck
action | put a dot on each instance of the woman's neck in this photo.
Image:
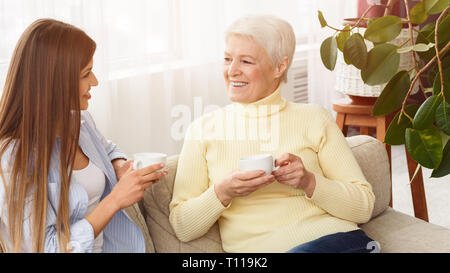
(264, 107)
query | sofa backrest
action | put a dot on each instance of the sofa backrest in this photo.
(374, 162)
(155, 208)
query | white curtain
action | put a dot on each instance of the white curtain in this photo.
(159, 61)
(322, 81)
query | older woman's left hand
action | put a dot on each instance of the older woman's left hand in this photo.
(292, 172)
(121, 166)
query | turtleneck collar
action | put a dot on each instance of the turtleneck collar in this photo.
(264, 107)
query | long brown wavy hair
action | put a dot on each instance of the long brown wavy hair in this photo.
(40, 103)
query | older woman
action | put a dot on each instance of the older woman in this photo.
(312, 203)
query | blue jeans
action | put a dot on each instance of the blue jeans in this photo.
(342, 242)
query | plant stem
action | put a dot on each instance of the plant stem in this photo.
(390, 6)
(357, 22)
(333, 28)
(436, 46)
(410, 118)
(406, 115)
(362, 16)
(447, 46)
(402, 45)
(413, 54)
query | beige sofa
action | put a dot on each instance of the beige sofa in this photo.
(395, 231)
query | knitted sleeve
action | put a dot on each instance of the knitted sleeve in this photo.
(342, 190)
(194, 207)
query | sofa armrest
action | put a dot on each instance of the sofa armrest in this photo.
(400, 233)
(374, 162)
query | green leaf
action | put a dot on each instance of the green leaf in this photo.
(416, 47)
(443, 117)
(347, 61)
(444, 167)
(383, 29)
(426, 113)
(323, 22)
(424, 146)
(393, 94)
(437, 84)
(444, 31)
(342, 38)
(426, 36)
(328, 52)
(405, 49)
(435, 6)
(418, 14)
(445, 61)
(445, 138)
(382, 63)
(355, 51)
(395, 134)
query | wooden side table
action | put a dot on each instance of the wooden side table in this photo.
(360, 115)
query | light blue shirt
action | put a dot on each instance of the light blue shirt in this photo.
(120, 235)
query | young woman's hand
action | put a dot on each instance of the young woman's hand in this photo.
(128, 191)
(241, 183)
(133, 183)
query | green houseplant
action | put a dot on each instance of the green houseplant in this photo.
(423, 127)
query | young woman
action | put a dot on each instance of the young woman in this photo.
(63, 186)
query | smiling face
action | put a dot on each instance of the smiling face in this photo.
(248, 71)
(87, 80)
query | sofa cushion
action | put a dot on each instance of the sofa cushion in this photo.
(156, 209)
(136, 214)
(401, 233)
(373, 160)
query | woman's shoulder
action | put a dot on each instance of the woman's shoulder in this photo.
(86, 117)
(206, 123)
(6, 162)
(210, 116)
(8, 155)
(87, 122)
(313, 109)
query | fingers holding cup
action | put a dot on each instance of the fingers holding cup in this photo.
(155, 175)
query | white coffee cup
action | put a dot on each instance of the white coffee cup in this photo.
(263, 162)
(142, 160)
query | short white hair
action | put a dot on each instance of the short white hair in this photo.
(275, 35)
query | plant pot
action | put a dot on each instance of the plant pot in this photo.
(348, 77)
(378, 11)
(359, 100)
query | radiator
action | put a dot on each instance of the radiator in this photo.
(296, 89)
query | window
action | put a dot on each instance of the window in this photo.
(138, 32)
(141, 34)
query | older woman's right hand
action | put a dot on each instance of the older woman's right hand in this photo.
(133, 183)
(241, 183)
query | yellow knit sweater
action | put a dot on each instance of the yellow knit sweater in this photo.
(277, 217)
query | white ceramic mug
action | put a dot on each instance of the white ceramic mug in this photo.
(142, 160)
(263, 162)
